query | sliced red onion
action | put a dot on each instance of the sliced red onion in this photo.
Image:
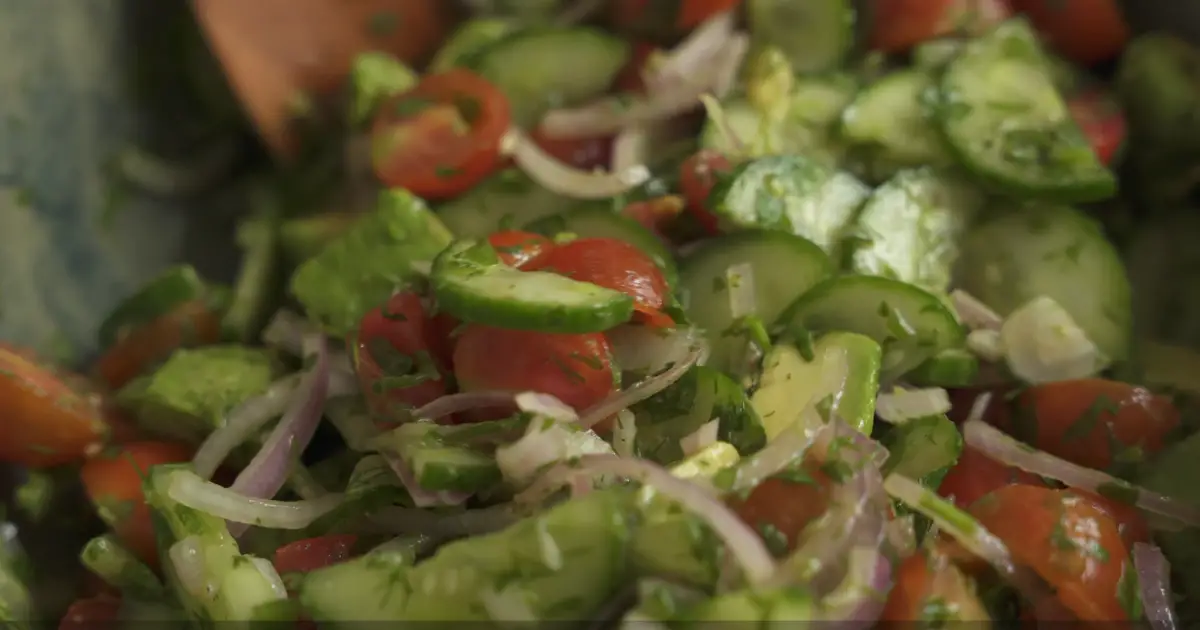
(268, 471)
(564, 179)
(287, 331)
(782, 451)
(542, 445)
(638, 348)
(404, 521)
(242, 423)
(188, 489)
(858, 601)
(699, 439)
(447, 406)
(1154, 577)
(354, 423)
(187, 558)
(691, 58)
(729, 65)
(625, 434)
(644, 389)
(902, 405)
(1004, 449)
(610, 115)
(975, 314)
(421, 497)
(630, 150)
(546, 406)
(900, 535)
(741, 541)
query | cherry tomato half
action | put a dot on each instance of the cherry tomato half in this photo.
(656, 214)
(1084, 31)
(311, 554)
(665, 18)
(615, 265)
(975, 475)
(400, 357)
(520, 249)
(697, 176)
(575, 368)
(902, 24)
(442, 137)
(1068, 540)
(113, 482)
(631, 79)
(91, 613)
(1091, 422)
(782, 506)
(1099, 117)
(927, 589)
(50, 417)
(191, 324)
(582, 153)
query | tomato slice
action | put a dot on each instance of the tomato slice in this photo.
(575, 368)
(113, 482)
(927, 586)
(613, 264)
(50, 417)
(582, 153)
(631, 79)
(1099, 117)
(1068, 540)
(902, 24)
(399, 358)
(656, 214)
(190, 324)
(92, 613)
(1085, 31)
(665, 18)
(697, 176)
(976, 475)
(781, 507)
(442, 137)
(520, 249)
(311, 554)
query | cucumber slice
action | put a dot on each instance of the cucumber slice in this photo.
(792, 194)
(910, 323)
(507, 200)
(258, 285)
(1057, 252)
(934, 54)
(955, 367)
(442, 466)
(1003, 116)
(893, 117)
(923, 449)
(551, 67)
(815, 35)
(469, 39)
(471, 283)
(601, 222)
(911, 226)
(157, 298)
(783, 267)
(702, 395)
(843, 368)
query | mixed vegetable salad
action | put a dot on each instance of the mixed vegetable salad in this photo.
(775, 321)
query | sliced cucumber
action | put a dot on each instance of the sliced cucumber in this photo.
(702, 395)
(441, 466)
(955, 367)
(911, 226)
(551, 67)
(815, 35)
(258, 286)
(1003, 116)
(934, 54)
(1056, 252)
(471, 284)
(792, 194)
(157, 298)
(893, 117)
(783, 267)
(468, 39)
(910, 324)
(600, 221)
(923, 449)
(843, 368)
(507, 200)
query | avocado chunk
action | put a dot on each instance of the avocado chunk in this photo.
(363, 266)
(191, 394)
(840, 367)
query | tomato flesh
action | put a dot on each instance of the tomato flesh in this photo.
(781, 507)
(657, 214)
(520, 249)
(311, 554)
(697, 176)
(191, 324)
(612, 264)
(442, 137)
(976, 475)
(902, 24)
(96, 613)
(400, 356)
(582, 153)
(1085, 31)
(1100, 119)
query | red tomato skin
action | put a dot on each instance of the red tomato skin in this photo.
(520, 249)
(311, 554)
(1084, 31)
(1101, 120)
(665, 18)
(656, 215)
(612, 264)
(113, 482)
(575, 368)
(405, 325)
(976, 475)
(441, 150)
(901, 24)
(191, 324)
(582, 153)
(787, 506)
(631, 79)
(697, 176)
(92, 613)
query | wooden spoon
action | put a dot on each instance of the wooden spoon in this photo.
(280, 53)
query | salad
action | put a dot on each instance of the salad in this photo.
(766, 320)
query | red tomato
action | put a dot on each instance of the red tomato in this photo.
(191, 324)
(113, 482)
(1099, 117)
(1068, 540)
(927, 586)
(697, 177)
(520, 249)
(684, 14)
(975, 475)
(902, 24)
(1091, 422)
(49, 417)
(311, 554)
(656, 214)
(1130, 522)
(582, 153)
(575, 368)
(631, 79)
(442, 137)
(612, 264)
(399, 342)
(1085, 31)
(91, 613)
(785, 505)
